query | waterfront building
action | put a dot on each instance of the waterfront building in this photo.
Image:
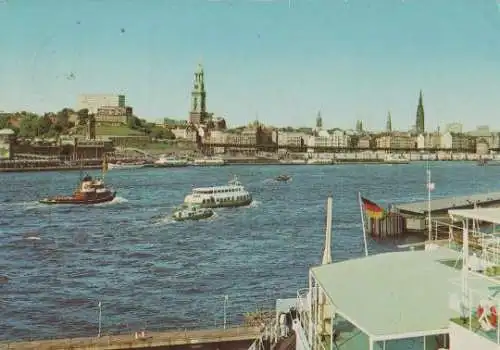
(429, 141)
(396, 141)
(114, 115)
(289, 138)
(324, 139)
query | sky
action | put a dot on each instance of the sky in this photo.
(276, 61)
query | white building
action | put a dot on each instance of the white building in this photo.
(95, 101)
(446, 141)
(337, 139)
(289, 138)
(456, 128)
(428, 141)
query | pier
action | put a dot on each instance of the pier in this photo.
(440, 206)
(230, 338)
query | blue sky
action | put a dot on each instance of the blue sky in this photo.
(352, 60)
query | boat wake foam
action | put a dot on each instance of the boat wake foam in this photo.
(116, 200)
(254, 204)
(167, 219)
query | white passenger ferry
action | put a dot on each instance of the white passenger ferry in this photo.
(231, 195)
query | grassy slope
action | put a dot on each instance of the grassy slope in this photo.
(116, 131)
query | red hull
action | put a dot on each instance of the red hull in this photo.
(72, 200)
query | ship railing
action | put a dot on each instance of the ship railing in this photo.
(483, 240)
(303, 307)
(115, 335)
(478, 310)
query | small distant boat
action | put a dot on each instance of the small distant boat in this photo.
(126, 165)
(192, 212)
(170, 162)
(282, 178)
(487, 162)
(392, 158)
(209, 161)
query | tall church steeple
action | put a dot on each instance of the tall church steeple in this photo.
(420, 120)
(388, 125)
(198, 98)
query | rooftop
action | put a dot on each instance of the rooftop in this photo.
(7, 132)
(491, 215)
(449, 203)
(382, 295)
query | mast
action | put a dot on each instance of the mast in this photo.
(429, 189)
(104, 166)
(327, 252)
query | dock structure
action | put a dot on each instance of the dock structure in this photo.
(441, 206)
(149, 340)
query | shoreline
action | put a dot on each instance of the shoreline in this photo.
(233, 161)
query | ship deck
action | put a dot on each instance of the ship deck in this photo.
(382, 299)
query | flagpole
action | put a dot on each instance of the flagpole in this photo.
(363, 223)
(429, 201)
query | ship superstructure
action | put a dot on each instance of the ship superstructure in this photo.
(444, 297)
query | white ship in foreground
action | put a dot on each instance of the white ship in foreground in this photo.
(443, 297)
(233, 194)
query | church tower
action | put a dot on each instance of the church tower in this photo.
(198, 112)
(388, 124)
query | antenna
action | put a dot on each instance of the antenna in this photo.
(429, 189)
(327, 253)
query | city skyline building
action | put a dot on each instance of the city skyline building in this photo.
(420, 118)
(388, 125)
(198, 113)
(93, 102)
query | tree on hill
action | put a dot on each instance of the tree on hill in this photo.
(83, 116)
(4, 121)
(29, 125)
(162, 133)
(44, 124)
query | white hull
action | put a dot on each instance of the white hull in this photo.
(209, 162)
(125, 166)
(320, 161)
(231, 195)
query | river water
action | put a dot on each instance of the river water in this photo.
(148, 271)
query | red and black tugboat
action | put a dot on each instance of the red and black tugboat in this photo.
(89, 191)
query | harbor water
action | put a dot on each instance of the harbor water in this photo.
(151, 272)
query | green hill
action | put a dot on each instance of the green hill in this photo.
(121, 130)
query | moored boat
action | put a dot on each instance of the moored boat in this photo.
(192, 212)
(392, 158)
(233, 194)
(170, 162)
(320, 161)
(209, 161)
(488, 162)
(126, 165)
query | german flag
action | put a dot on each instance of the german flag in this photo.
(373, 210)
